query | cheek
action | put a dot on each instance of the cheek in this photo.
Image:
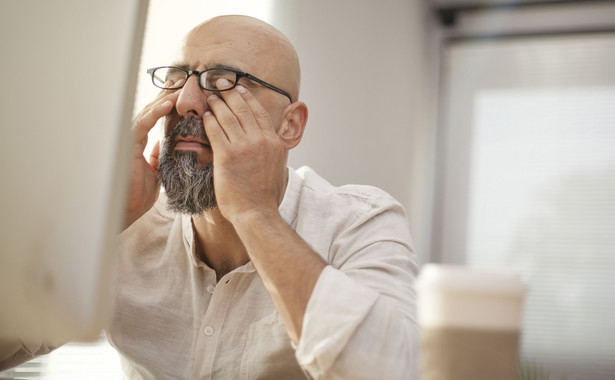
(279, 117)
(277, 111)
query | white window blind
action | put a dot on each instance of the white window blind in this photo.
(529, 184)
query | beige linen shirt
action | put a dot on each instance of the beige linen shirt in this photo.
(174, 321)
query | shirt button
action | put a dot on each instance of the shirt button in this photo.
(209, 331)
(210, 289)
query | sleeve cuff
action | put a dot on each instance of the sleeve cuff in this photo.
(336, 308)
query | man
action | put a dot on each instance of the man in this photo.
(244, 268)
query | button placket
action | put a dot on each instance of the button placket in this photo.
(210, 327)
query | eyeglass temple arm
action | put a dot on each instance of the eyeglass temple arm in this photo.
(255, 79)
(152, 72)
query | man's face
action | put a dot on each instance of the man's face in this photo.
(186, 159)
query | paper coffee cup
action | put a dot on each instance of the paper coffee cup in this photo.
(470, 323)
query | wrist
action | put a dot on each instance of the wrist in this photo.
(255, 217)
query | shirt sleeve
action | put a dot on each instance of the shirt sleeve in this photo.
(360, 322)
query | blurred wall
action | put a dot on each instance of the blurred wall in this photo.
(369, 78)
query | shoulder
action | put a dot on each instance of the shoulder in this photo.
(323, 206)
(340, 221)
(157, 221)
(316, 189)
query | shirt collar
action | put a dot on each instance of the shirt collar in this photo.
(290, 202)
(189, 243)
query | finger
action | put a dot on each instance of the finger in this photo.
(150, 115)
(240, 109)
(258, 112)
(146, 122)
(153, 157)
(225, 118)
(161, 97)
(216, 135)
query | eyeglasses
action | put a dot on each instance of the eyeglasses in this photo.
(173, 78)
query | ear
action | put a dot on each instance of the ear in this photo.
(293, 125)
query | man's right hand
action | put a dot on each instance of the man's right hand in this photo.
(144, 179)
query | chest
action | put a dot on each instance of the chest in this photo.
(181, 323)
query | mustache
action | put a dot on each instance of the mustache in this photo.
(187, 126)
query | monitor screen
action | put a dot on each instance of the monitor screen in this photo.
(68, 74)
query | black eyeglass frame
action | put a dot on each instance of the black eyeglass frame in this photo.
(239, 74)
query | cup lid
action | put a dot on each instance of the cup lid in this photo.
(461, 278)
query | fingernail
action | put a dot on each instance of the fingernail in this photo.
(241, 89)
(212, 97)
(207, 113)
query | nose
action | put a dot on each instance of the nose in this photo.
(192, 100)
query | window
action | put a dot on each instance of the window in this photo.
(528, 154)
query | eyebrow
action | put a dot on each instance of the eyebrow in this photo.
(224, 66)
(212, 66)
(181, 65)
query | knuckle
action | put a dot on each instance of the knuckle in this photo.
(141, 123)
(228, 119)
(242, 109)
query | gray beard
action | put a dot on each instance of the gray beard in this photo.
(189, 188)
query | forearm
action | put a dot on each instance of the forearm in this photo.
(288, 267)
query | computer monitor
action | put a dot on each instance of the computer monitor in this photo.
(68, 76)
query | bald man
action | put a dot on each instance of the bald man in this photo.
(244, 268)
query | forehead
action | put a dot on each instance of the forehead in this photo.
(235, 47)
(246, 44)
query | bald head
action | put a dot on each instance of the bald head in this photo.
(248, 44)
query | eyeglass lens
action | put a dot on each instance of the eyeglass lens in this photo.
(170, 78)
